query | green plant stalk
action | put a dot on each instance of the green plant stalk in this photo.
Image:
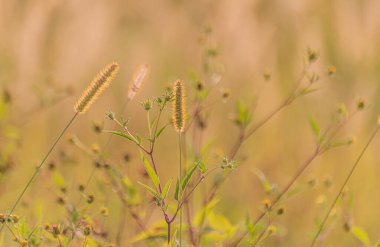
(39, 168)
(180, 185)
(318, 151)
(343, 186)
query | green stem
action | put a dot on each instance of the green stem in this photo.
(180, 186)
(343, 186)
(39, 167)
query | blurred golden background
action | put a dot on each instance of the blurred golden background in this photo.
(50, 50)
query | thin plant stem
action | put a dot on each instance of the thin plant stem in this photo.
(344, 185)
(319, 150)
(39, 167)
(180, 185)
(108, 142)
(169, 223)
(282, 193)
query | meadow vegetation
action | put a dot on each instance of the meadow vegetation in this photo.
(225, 124)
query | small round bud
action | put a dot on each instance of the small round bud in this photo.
(2, 218)
(81, 187)
(331, 70)
(95, 148)
(312, 55)
(90, 199)
(281, 211)
(47, 227)
(97, 127)
(98, 164)
(61, 200)
(127, 157)
(347, 226)
(267, 203)
(104, 211)
(312, 182)
(87, 230)
(14, 218)
(23, 243)
(51, 165)
(111, 115)
(55, 230)
(225, 94)
(147, 104)
(360, 104)
(200, 86)
(267, 76)
(272, 229)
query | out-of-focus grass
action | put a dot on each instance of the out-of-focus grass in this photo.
(50, 46)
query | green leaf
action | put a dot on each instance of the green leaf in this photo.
(24, 229)
(67, 243)
(152, 191)
(202, 167)
(308, 91)
(243, 115)
(360, 234)
(118, 133)
(202, 214)
(160, 131)
(59, 180)
(74, 216)
(166, 189)
(176, 190)
(221, 223)
(268, 187)
(314, 126)
(187, 177)
(152, 174)
(157, 231)
(138, 139)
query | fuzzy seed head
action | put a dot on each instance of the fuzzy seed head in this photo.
(137, 81)
(96, 87)
(179, 110)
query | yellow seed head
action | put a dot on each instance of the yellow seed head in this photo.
(179, 110)
(96, 87)
(137, 81)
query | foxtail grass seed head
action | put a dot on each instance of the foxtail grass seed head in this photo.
(179, 110)
(137, 81)
(96, 87)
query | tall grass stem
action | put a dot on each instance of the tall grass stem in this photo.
(39, 168)
(343, 186)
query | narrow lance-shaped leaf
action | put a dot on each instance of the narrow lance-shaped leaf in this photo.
(166, 189)
(360, 234)
(314, 126)
(138, 138)
(118, 133)
(176, 190)
(160, 131)
(150, 190)
(152, 174)
(187, 177)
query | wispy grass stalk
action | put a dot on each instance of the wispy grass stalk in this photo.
(344, 185)
(89, 96)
